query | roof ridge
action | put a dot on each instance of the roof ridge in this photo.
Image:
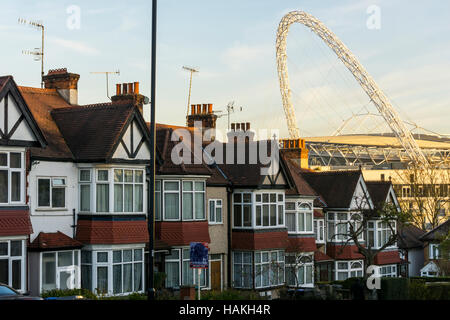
(100, 106)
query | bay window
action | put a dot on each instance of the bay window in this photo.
(269, 268)
(348, 269)
(113, 272)
(172, 268)
(60, 270)
(242, 270)
(299, 217)
(12, 263)
(389, 271)
(12, 173)
(338, 226)
(384, 232)
(269, 209)
(190, 275)
(299, 270)
(114, 190)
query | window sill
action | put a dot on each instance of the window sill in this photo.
(51, 209)
(216, 223)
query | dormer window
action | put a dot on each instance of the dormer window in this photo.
(12, 171)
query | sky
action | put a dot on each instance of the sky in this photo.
(232, 43)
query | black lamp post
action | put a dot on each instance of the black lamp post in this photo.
(151, 195)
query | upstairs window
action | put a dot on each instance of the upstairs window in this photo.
(85, 180)
(269, 209)
(215, 211)
(242, 210)
(299, 217)
(12, 170)
(128, 190)
(193, 200)
(52, 193)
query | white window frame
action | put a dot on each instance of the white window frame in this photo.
(242, 204)
(218, 204)
(319, 230)
(300, 212)
(51, 187)
(10, 259)
(10, 170)
(380, 239)
(270, 266)
(206, 274)
(194, 191)
(85, 183)
(158, 195)
(279, 204)
(163, 202)
(75, 268)
(123, 183)
(242, 264)
(433, 251)
(180, 267)
(109, 265)
(349, 269)
(298, 265)
(388, 271)
(334, 224)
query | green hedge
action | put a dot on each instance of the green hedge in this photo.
(231, 295)
(432, 279)
(68, 293)
(394, 289)
(420, 290)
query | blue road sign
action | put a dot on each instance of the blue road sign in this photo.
(199, 256)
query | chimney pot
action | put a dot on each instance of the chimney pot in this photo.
(124, 88)
(199, 109)
(205, 107)
(247, 126)
(130, 88)
(233, 126)
(193, 109)
(210, 108)
(243, 126)
(136, 88)
(118, 89)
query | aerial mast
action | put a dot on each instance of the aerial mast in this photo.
(191, 71)
(38, 52)
(107, 73)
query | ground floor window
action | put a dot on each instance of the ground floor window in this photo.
(242, 269)
(60, 270)
(12, 263)
(116, 271)
(388, 271)
(269, 268)
(299, 270)
(349, 269)
(178, 270)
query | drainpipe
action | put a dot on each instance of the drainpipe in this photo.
(229, 205)
(74, 223)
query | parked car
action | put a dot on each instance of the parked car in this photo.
(8, 293)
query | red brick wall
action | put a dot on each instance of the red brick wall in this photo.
(112, 232)
(387, 257)
(302, 244)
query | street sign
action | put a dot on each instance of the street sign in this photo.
(199, 255)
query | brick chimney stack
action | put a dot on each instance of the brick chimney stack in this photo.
(295, 150)
(203, 113)
(64, 82)
(129, 92)
(241, 131)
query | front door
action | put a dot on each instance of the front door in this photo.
(216, 277)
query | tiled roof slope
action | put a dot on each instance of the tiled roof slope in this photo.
(438, 232)
(164, 145)
(302, 187)
(378, 191)
(15, 223)
(409, 237)
(57, 240)
(92, 131)
(336, 187)
(41, 103)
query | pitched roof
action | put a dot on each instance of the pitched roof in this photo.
(344, 252)
(379, 191)
(52, 241)
(319, 256)
(3, 80)
(41, 103)
(409, 237)
(301, 186)
(438, 232)
(336, 187)
(164, 146)
(15, 223)
(92, 131)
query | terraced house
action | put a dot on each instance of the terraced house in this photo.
(73, 200)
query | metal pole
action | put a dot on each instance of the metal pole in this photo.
(151, 204)
(199, 273)
(42, 59)
(189, 97)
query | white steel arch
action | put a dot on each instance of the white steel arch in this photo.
(380, 100)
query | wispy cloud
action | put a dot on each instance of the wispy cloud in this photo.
(77, 46)
(241, 56)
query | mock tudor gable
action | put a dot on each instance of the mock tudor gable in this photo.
(17, 125)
